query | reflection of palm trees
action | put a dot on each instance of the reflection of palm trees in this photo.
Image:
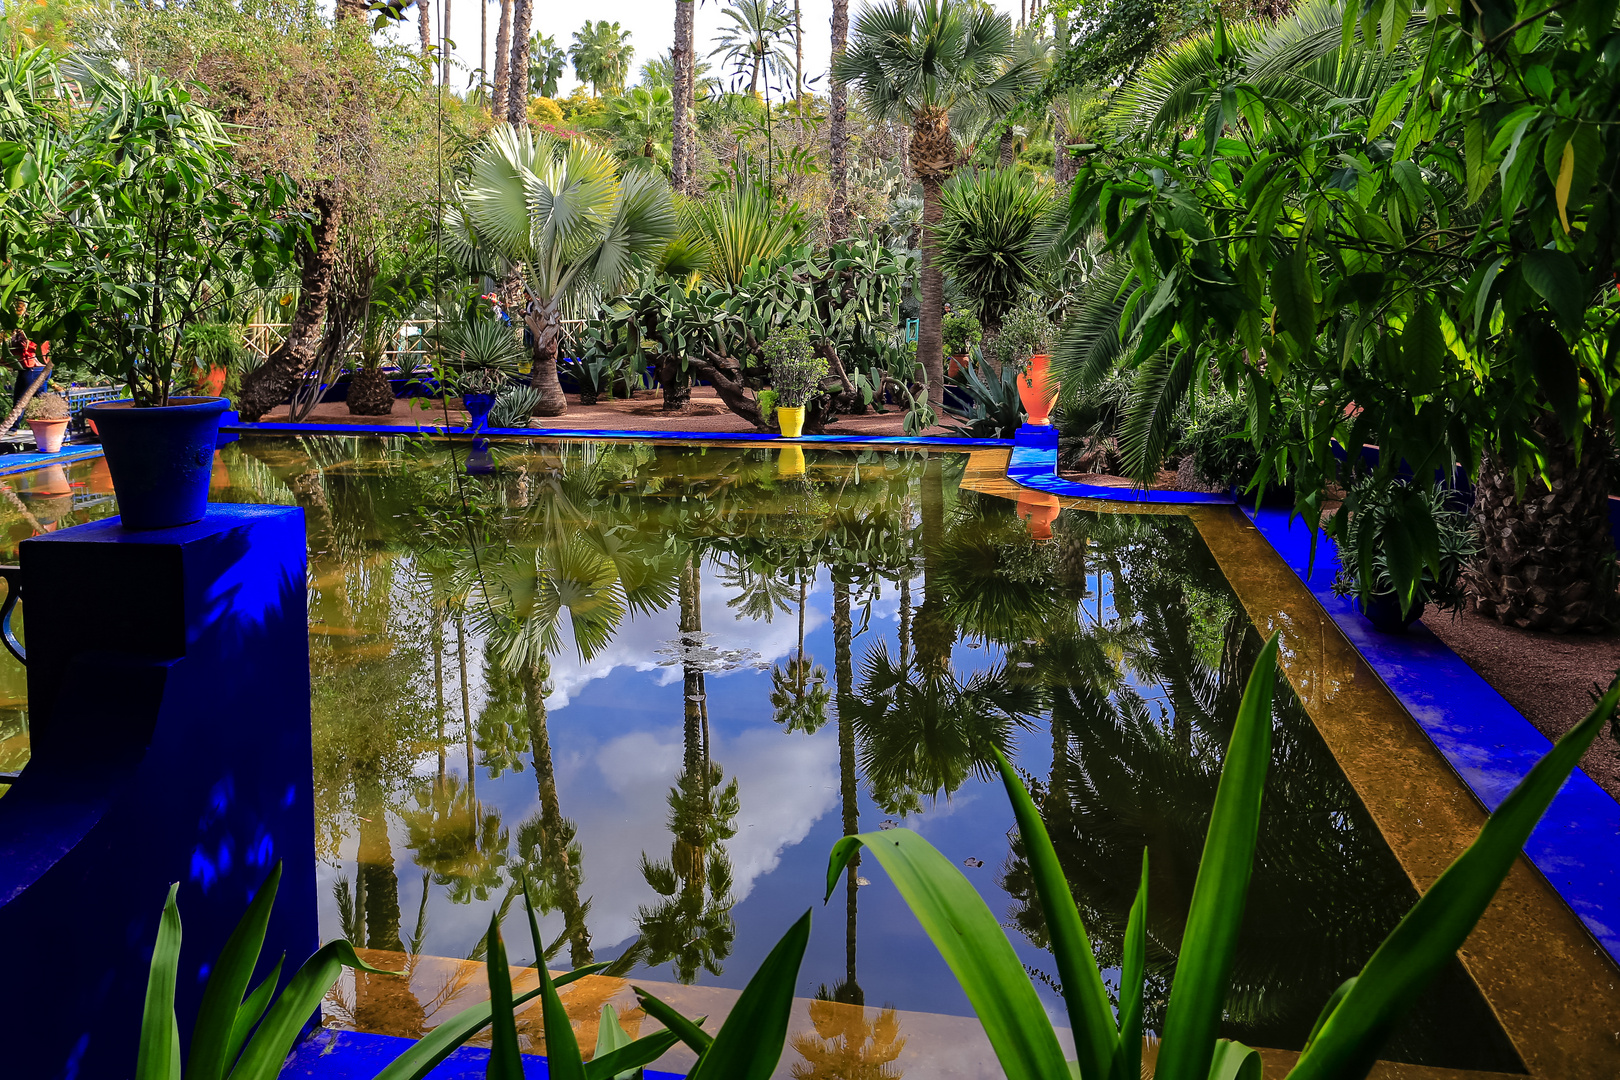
(456, 839)
(799, 693)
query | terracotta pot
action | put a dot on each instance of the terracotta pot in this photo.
(1038, 390)
(956, 365)
(791, 421)
(48, 434)
(213, 383)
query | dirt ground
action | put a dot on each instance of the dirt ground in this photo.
(644, 412)
(1547, 677)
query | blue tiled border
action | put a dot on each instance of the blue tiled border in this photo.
(1034, 465)
(354, 1055)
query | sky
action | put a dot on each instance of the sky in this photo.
(651, 24)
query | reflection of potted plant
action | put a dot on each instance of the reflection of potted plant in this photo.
(1026, 336)
(796, 374)
(178, 229)
(48, 415)
(1384, 515)
(961, 330)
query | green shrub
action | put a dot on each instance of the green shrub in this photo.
(1222, 453)
(47, 406)
(961, 330)
(1390, 512)
(796, 371)
(514, 406)
(767, 405)
(1027, 332)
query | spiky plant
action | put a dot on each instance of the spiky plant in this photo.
(987, 238)
(918, 64)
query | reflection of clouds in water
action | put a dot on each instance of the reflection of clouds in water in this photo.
(639, 637)
(784, 785)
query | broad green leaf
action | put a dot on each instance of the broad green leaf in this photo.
(1475, 159)
(1389, 106)
(749, 1044)
(1234, 1061)
(253, 1009)
(270, 1045)
(159, 1054)
(1209, 941)
(1296, 308)
(625, 1060)
(505, 1059)
(967, 935)
(1327, 1010)
(1091, 1015)
(1554, 276)
(688, 1030)
(1423, 347)
(1566, 174)
(610, 1034)
(1432, 932)
(222, 999)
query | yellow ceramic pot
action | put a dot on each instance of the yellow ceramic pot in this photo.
(791, 420)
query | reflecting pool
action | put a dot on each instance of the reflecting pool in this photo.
(659, 683)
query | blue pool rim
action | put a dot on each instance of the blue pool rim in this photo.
(1487, 742)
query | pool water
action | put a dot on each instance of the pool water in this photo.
(660, 683)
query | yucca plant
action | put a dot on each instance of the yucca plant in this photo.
(1353, 1024)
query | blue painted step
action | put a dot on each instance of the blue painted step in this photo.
(354, 1055)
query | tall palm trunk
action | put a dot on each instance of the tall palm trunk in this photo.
(681, 61)
(444, 43)
(271, 383)
(541, 317)
(931, 321)
(935, 631)
(503, 44)
(848, 783)
(838, 130)
(695, 730)
(1548, 558)
(798, 56)
(517, 81)
(483, 43)
(424, 26)
(553, 843)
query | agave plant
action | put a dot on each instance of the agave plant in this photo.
(1351, 1027)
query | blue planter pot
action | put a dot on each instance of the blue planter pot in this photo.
(1385, 614)
(160, 458)
(478, 406)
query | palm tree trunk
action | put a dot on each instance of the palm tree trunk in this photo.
(798, 56)
(935, 630)
(1547, 561)
(466, 704)
(541, 319)
(517, 85)
(838, 130)
(1004, 152)
(681, 61)
(503, 44)
(930, 331)
(271, 383)
(483, 43)
(444, 43)
(691, 623)
(553, 845)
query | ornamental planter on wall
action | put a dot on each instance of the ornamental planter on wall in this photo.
(1038, 390)
(161, 458)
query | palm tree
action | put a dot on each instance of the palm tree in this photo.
(517, 103)
(562, 218)
(503, 47)
(683, 81)
(838, 128)
(918, 65)
(642, 116)
(601, 53)
(547, 62)
(750, 41)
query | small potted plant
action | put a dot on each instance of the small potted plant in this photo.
(961, 331)
(1025, 339)
(796, 374)
(486, 354)
(1378, 513)
(48, 415)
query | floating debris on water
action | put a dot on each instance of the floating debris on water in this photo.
(972, 862)
(886, 824)
(692, 650)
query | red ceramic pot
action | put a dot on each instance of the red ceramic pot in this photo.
(1038, 390)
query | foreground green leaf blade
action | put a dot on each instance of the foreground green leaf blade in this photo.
(1433, 931)
(686, 1030)
(626, 1059)
(428, 1051)
(1090, 1013)
(270, 1045)
(253, 1009)
(505, 1060)
(610, 1034)
(562, 1048)
(749, 1044)
(1234, 1061)
(1132, 979)
(1209, 942)
(211, 1038)
(967, 935)
(159, 1054)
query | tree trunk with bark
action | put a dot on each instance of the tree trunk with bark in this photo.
(1548, 560)
(930, 322)
(271, 383)
(424, 26)
(838, 223)
(541, 319)
(1004, 151)
(935, 631)
(370, 393)
(848, 781)
(681, 55)
(444, 43)
(517, 75)
(503, 45)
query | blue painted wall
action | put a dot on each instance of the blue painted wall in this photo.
(168, 684)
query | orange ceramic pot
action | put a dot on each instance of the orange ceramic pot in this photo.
(1038, 390)
(213, 383)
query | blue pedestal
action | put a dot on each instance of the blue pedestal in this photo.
(168, 686)
(1039, 436)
